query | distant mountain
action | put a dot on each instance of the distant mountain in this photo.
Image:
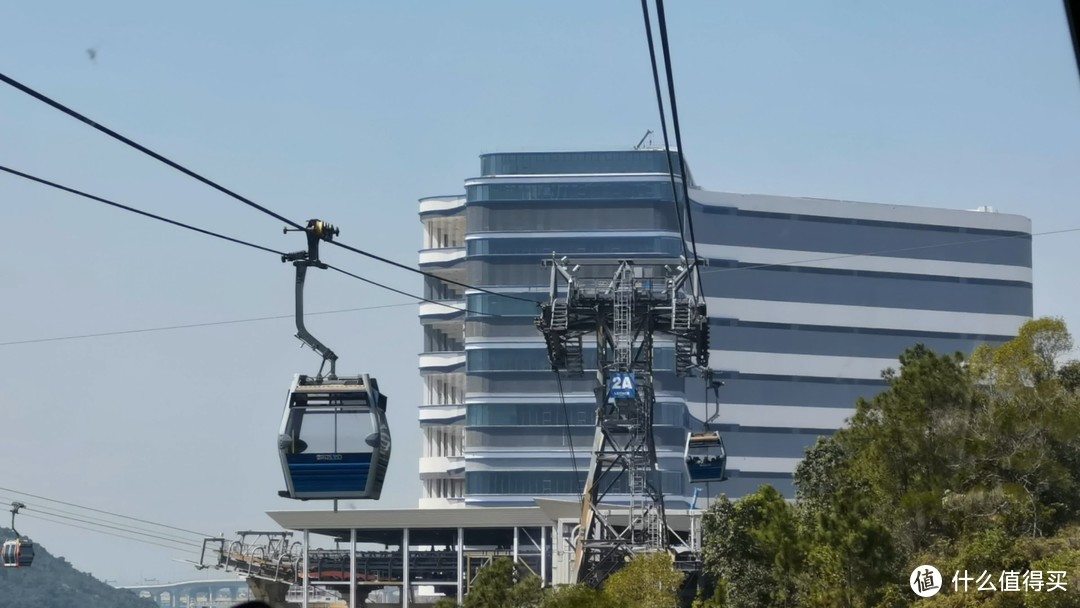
(53, 583)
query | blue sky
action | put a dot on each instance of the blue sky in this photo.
(351, 112)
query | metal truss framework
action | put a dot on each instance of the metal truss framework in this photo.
(623, 304)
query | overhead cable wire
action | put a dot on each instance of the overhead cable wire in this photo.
(416, 297)
(898, 250)
(662, 22)
(89, 519)
(104, 512)
(141, 148)
(663, 127)
(120, 529)
(428, 274)
(421, 298)
(136, 540)
(193, 325)
(220, 236)
(569, 436)
(70, 112)
(160, 218)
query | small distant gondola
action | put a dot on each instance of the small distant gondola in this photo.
(706, 458)
(19, 552)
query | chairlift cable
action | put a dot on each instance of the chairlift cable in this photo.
(662, 22)
(664, 129)
(141, 148)
(118, 528)
(111, 133)
(194, 325)
(88, 519)
(569, 437)
(428, 274)
(117, 205)
(421, 298)
(137, 540)
(160, 218)
(104, 512)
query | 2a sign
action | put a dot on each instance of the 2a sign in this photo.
(621, 385)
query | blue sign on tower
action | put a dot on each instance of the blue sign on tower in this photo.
(621, 385)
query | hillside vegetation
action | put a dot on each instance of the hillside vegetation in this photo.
(54, 583)
(968, 464)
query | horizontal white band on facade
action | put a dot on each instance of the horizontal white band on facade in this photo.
(450, 359)
(872, 263)
(553, 234)
(432, 204)
(787, 364)
(907, 214)
(442, 255)
(441, 412)
(774, 416)
(871, 317)
(444, 307)
(537, 341)
(564, 178)
(526, 459)
(442, 465)
(762, 464)
(527, 455)
(428, 502)
(571, 397)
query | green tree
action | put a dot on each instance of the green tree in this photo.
(499, 585)
(751, 551)
(967, 464)
(649, 580)
(846, 553)
(576, 596)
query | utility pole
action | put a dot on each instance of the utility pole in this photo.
(623, 309)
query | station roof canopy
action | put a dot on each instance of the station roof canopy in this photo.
(483, 525)
(426, 526)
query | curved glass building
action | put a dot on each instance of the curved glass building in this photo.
(809, 301)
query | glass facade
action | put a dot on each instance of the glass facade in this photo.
(580, 245)
(567, 215)
(653, 190)
(495, 359)
(577, 163)
(807, 344)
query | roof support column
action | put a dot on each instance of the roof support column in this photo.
(461, 574)
(405, 568)
(352, 568)
(307, 570)
(515, 545)
(543, 556)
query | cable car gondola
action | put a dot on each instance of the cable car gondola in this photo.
(17, 553)
(334, 439)
(706, 458)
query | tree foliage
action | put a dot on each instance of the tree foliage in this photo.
(963, 463)
(500, 585)
(51, 582)
(648, 581)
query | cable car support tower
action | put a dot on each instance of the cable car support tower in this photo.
(623, 312)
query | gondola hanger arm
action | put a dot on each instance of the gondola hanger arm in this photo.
(316, 231)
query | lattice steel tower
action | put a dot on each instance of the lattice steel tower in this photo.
(622, 304)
